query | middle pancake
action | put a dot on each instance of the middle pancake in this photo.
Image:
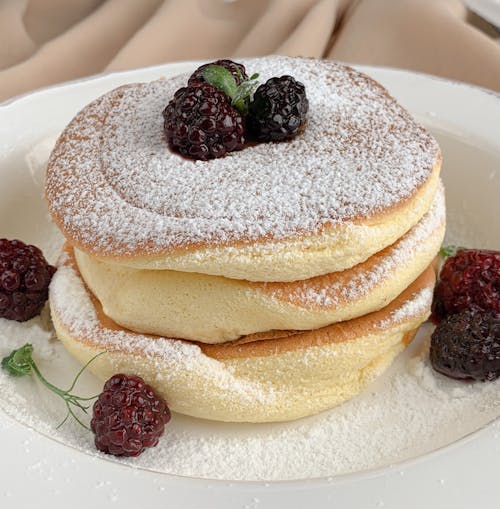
(215, 309)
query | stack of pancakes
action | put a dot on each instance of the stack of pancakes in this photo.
(267, 285)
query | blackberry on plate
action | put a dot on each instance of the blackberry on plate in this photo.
(237, 70)
(128, 416)
(466, 345)
(278, 110)
(201, 123)
(24, 280)
(469, 278)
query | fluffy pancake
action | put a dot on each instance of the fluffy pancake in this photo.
(361, 175)
(254, 381)
(215, 309)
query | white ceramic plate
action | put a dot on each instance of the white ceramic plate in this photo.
(36, 468)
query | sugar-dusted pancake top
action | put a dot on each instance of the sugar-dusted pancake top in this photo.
(115, 188)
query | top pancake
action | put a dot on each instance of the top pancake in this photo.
(361, 174)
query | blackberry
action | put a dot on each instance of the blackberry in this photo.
(466, 345)
(24, 280)
(470, 278)
(201, 123)
(278, 110)
(237, 70)
(128, 416)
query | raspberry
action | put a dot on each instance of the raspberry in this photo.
(24, 280)
(200, 122)
(471, 278)
(237, 70)
(128, 416)
(466, 345)
(278, 109)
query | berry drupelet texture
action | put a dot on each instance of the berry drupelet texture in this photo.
(201, 123)
(237, 70)
(278, 110)
(25, 276)
(128, 417)
(466, 345)
(471, 278)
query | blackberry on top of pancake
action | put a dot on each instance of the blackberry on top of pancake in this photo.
(360, 175)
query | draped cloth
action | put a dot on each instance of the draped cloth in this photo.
(49, 41)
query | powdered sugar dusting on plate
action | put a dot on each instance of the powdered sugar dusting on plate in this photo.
(422, 409)
(118, 187)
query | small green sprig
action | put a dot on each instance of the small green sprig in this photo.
(447, 251)
(240, 95)
(20, 363)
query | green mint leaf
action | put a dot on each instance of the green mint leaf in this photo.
(219, 77)
(238, 72)
(18, 363)
(449, 251)
(244, 92)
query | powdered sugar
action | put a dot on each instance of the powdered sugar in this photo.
(420, 302)
(406, 413)
(358, 281)
(423, 411)
(117, 187)
(74, 306)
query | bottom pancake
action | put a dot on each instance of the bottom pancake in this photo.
(276, 379)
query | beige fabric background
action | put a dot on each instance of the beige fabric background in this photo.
(48, 41)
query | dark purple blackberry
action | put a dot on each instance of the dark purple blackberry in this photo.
(469, 278)
(24, 280)
(237, 70)
(278, 110)
(128, 416)
(201, 123)
(466, 345)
